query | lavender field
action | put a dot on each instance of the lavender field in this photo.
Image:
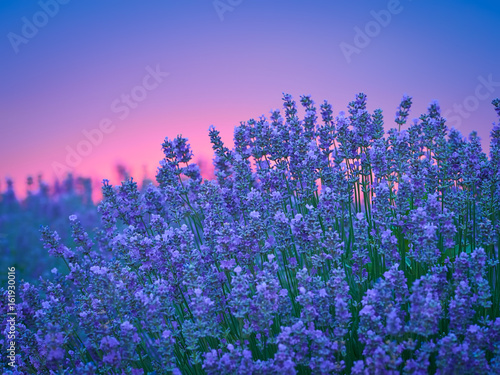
(324, 245)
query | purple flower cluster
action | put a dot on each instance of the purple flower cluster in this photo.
(322, 246)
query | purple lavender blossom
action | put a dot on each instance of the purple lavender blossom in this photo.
(391, 267)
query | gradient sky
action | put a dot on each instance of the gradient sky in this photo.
(224, 68)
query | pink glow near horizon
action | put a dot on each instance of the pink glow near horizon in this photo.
(137, 74)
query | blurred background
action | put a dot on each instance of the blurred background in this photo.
(90, 89)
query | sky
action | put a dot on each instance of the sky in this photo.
(87, 85)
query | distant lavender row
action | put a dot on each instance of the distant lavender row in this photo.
(321, 247)
(44, 204)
